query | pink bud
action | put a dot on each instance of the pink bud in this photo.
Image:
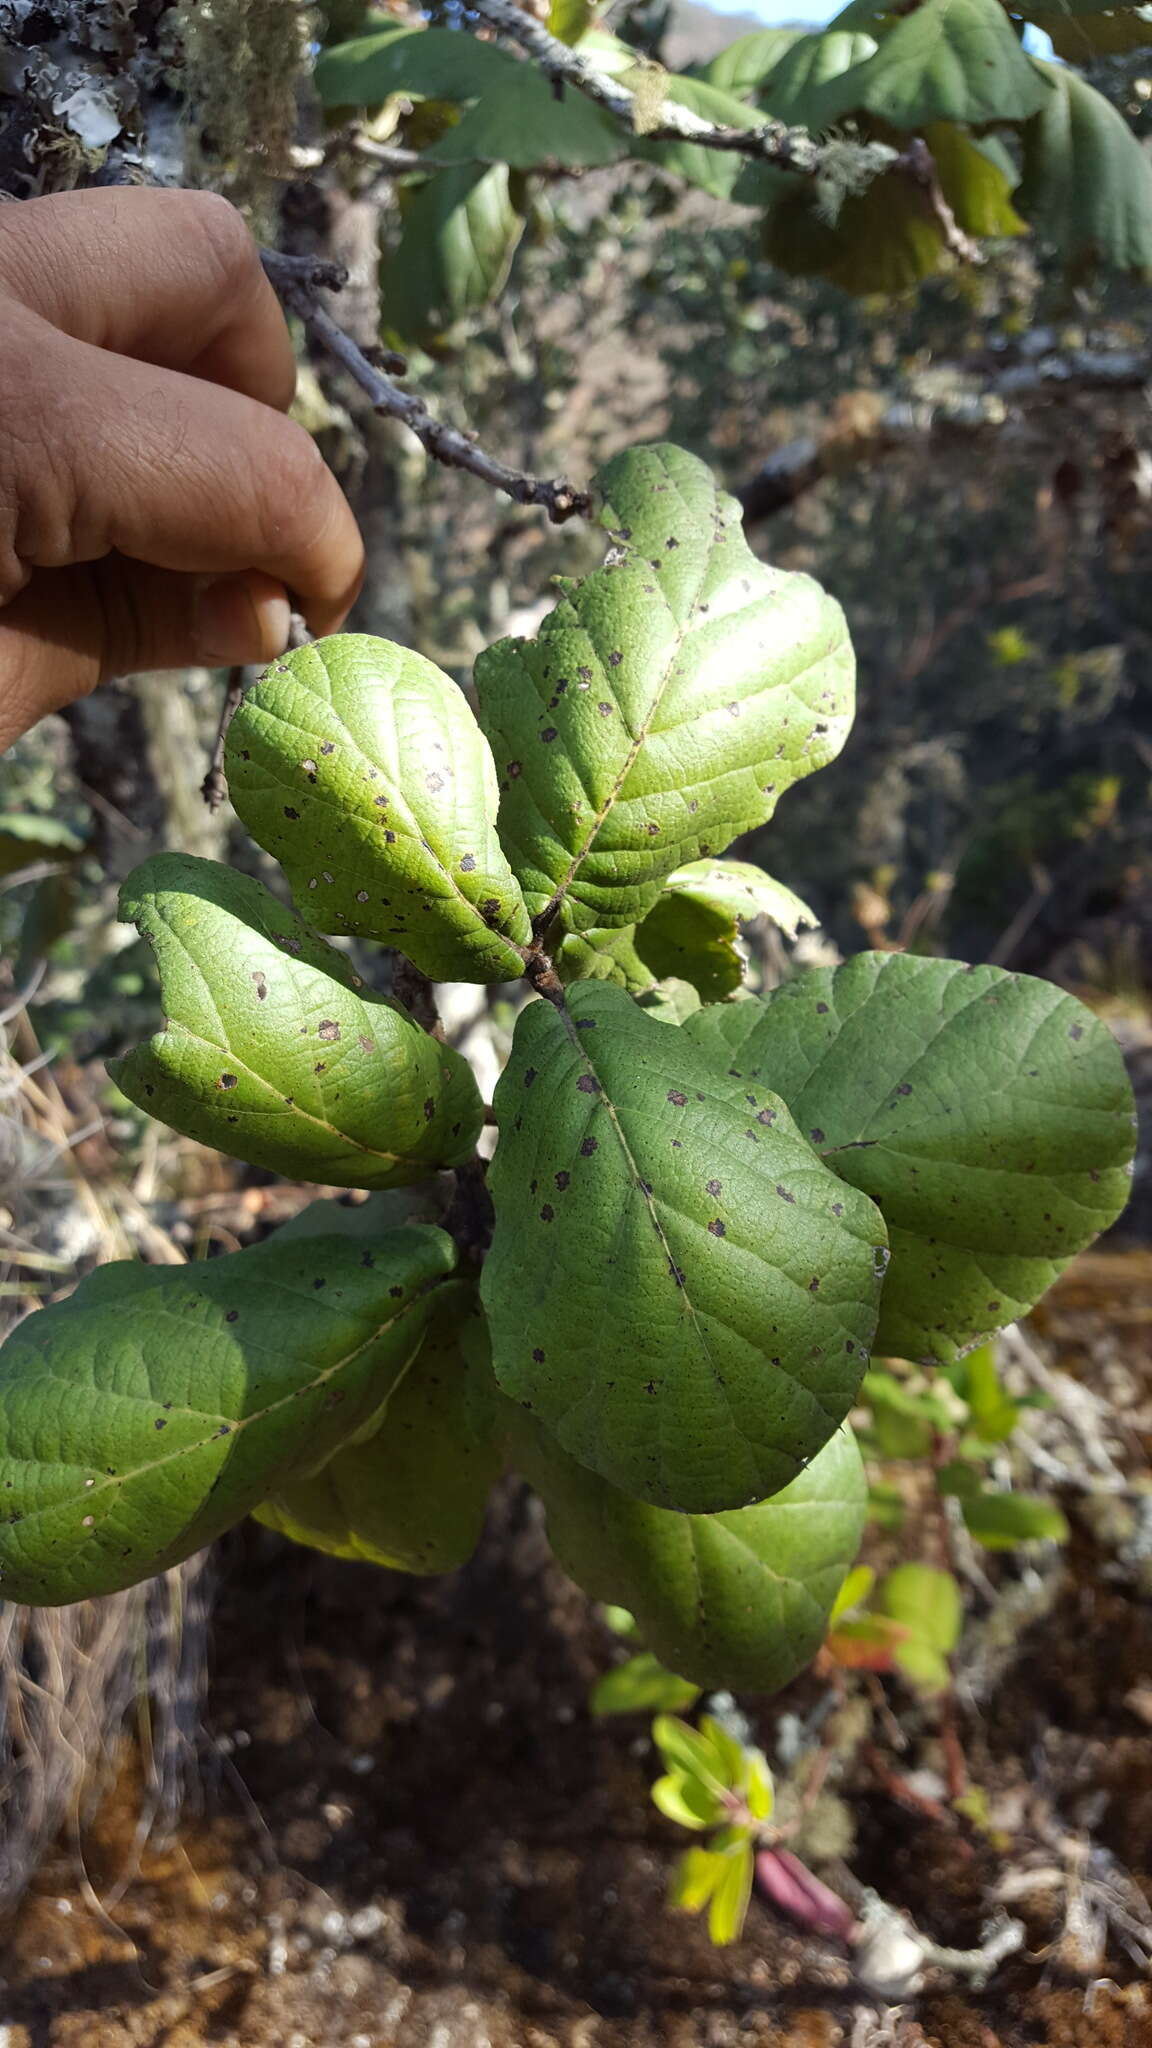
(793, 1890)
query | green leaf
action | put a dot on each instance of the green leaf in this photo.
(664, 705)
(927, 1669)
(1087, 183)
(1002, 1521)
(743, 67)
(459, 233)
(807, 88)
(695, 1876)
(690, 932)
(739, 1600)
(362, 1220)
(157, 1405)
(603, 956)
(729, 1902)
(690, 1750)
(641, 1685)
(676, 1286)
(926, 1602)
(271, 1049)
(714, 171)
(992, 1412)
(411, 1494)
(432, 63)
(1082, 30)
(520, 122)
(989, 1116)
(949, 60)
(360, 767)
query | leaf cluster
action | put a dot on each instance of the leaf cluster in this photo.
(703, 1215)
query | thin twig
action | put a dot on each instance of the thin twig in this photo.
(772, 142)
(298, 281)
(918, 162)
(214, 789)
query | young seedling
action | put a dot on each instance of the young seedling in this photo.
(661, 1300)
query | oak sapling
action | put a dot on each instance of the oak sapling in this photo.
(706, 1208)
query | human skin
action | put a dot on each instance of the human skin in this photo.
(157, 508)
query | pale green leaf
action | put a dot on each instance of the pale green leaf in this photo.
(853, 1592)
(690, 1750)
(926, 1602)
(808, 88)
(569, 20)
(744, 66)
(948, 60)
(520, 122)
(157, 1405)
(927, 1669)
(738, 1600)
(1087, 183)
(694, 1878)
(758, 1787)
(459, 233)
(665, 704)
(988, 1114)
(729, 1903)
(359, 765)
(432, 63)
(690, 932)
(272, 1050)
(974, 180)
(412, 1493)
(641, 1685)
(677, 1287)
(683, 1799)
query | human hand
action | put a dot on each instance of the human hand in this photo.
(156, 507)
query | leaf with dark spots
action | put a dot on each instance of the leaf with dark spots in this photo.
(988, 1114)
(360, 1116)
(245, 1399)
(645, 768)
(403, 742)
(727, 1425)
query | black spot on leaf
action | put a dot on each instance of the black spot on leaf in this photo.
(226, 1081)
(588, 1084)
(588, 1146)
(717, 1227)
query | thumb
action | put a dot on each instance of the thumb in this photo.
(70, 629)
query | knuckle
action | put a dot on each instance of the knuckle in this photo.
(219, 237)
(298, 492)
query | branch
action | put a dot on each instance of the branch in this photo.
(772, 142)
(298, 280)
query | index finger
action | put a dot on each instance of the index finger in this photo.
(168, 277)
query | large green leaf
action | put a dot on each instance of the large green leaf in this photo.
(159, 1404)
(1087, 183)
(806, 88)
(948, 60)
(272, 1050)
(739, 1600)
(459, 233)
(988, 1115)
(690, 932)
(715, 171)
(432, 63)
(666, 702)
(519, 121)
(412, 1493)
(360, 767)
(743, 67)
(677, 1287)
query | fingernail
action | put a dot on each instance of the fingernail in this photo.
(242, 619)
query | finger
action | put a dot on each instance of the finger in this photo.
(70, 629)
(176, 473)
(172, 278)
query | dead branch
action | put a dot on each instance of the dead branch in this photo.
(298, 282)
